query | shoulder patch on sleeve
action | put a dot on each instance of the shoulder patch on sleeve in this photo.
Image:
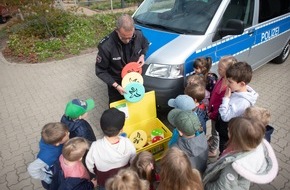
(98, 59)
(230, 177)
(104, 39)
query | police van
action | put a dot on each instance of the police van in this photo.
(179, 31)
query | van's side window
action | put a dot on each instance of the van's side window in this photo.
(272, 8)
(242, 10)
(239, 9)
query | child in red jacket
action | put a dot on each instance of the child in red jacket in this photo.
(215, 101)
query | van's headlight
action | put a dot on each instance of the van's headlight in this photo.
(165, 71)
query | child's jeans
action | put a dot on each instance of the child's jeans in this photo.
(222, 129)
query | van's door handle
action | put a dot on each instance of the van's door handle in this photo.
(251, 31)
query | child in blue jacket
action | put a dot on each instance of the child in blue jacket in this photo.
(53, 136)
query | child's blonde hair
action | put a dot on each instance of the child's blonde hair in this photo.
(176, 172)
(53, 133)
(245, 134)
(228, 60)
(74, 149)
(141, 165)
(126, 179)
(259, 113)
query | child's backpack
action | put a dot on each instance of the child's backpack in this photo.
(211, 81)
(202, 115)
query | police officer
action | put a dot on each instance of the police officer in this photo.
(124, 45)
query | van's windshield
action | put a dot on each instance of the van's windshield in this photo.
(180, 16)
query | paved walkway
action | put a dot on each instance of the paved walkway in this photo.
(272, 83)
(30, 97)
(33, 95)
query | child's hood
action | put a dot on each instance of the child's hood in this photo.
(251, 95)
(260, 166)
(113, 156)
(117, 151)
(48, 153)
(72, 124)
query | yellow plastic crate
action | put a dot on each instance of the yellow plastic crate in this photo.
(142, 116)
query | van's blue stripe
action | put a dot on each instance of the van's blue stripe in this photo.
(159, 38)
(231, 46)
(227, 47)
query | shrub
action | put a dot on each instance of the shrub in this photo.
(56, 33)
(106, 5)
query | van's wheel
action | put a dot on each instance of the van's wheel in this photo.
(3, 19)
(283, 56)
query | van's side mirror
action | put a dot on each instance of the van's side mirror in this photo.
(232, 27)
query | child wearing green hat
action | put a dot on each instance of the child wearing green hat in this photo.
(192, 141)
(74, 117)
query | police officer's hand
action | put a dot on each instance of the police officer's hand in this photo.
(141, 60)
(121, 90)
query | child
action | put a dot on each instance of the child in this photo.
(126, 179)
(182, 102)
(111, 153)
(215, 101)
(202, 67)
(199, 80)
(71, 168)
(237, 98)
(191, 140)
(74, 117)
(197, 93)
(248, 158)
(263, 115)
(195, 79)
(53, 136)
(144, 165)
(176, 172)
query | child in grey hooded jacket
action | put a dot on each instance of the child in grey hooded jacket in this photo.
(247, 158)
